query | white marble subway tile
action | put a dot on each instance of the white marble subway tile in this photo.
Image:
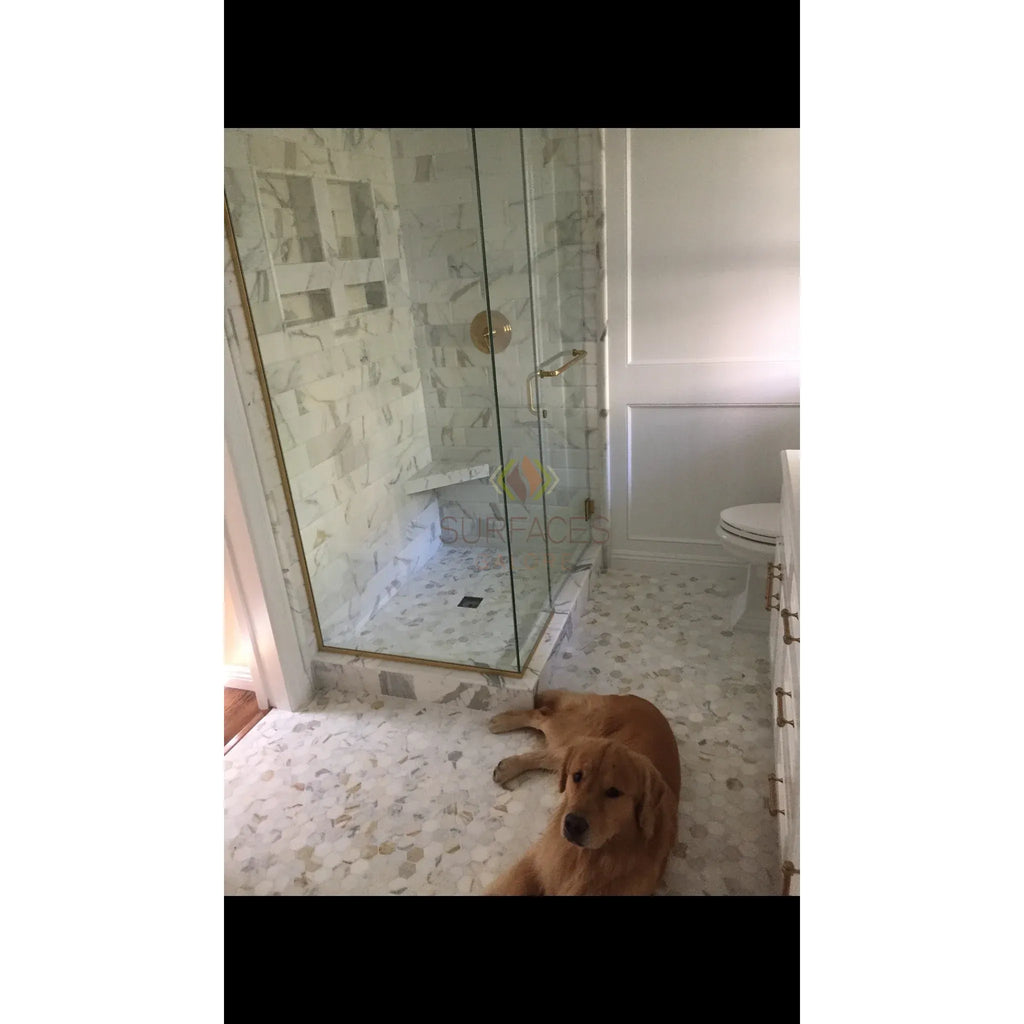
(294, 372)
(481, 419)
(267, 149)
(463, 377)
(313, 507)
(442, 288)
(399, 460)
(465, 303)
(236, 148)
(344, 578)
(315, 479)
(413, 142)
(451, 437)
(456, 163)
(275, 346)
(336, 442)
(435, 194)
(296, 460)
(332, 386)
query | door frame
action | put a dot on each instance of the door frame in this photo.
(251, 560)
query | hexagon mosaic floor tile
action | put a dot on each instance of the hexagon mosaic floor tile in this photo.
(366, 795)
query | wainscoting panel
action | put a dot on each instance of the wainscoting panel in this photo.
(688, 462)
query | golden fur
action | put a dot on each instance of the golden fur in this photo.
(618, 766)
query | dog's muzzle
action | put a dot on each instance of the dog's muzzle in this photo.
(574, 828)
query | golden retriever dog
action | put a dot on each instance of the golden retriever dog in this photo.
(618, 766)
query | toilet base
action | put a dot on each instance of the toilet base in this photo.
(748, 611)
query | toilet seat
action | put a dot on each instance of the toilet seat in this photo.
(758, 524)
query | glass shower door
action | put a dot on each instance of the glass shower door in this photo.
(523, 480)
(564, 273)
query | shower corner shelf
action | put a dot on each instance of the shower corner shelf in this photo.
(443, 474)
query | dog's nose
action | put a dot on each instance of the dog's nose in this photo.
(573, 827)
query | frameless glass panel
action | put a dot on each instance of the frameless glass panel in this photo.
(525, 477)
(441, 229)
(558, 167)
(362, 261)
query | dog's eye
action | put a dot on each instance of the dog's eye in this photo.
(613, 792)
(576, 776)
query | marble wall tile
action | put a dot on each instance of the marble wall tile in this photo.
(565, 228)
(350, 393)
(346, 391)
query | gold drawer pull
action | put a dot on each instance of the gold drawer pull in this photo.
(780, 721)
(773, 803)
(786, 616)
(768, 595)
(788, 871)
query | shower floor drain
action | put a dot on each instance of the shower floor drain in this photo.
(470, 602)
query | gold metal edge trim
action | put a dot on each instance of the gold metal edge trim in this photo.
(448, 664)
(265, 390)
(293, 518)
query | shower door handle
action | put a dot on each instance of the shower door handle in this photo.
(531, 386)
(577, 355)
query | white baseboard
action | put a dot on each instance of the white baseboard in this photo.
(648, 561)
(238, 678)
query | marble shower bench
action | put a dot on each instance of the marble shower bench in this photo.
(473, 688)
(444, 474)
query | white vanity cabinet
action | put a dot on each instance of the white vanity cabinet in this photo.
(782, 598)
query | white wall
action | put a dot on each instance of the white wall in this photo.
(703, 303)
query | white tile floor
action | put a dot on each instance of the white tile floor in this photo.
(378, 795)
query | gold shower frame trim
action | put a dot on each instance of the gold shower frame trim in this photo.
(293, 518)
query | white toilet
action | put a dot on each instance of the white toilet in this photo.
(749, 533)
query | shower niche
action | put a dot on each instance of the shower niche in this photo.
(419, 470)
(322, 242)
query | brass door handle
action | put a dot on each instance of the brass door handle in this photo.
(786, 635)
(532, 380)
(531, 389)
(577, 355)
(780, 719)
(789, 869)
(768, 595)
(773, 802)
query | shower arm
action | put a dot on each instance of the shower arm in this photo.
(577, 355)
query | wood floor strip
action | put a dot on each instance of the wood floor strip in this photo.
(241, 713)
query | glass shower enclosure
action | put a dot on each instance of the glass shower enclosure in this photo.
(421, 312)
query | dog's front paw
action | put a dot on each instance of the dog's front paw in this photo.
(505, 770)
(505, 722)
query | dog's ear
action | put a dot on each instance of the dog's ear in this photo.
(651, 804)
(565, 769)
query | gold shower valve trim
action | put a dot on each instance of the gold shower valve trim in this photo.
(480, 331)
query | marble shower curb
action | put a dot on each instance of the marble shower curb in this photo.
(478, 689)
